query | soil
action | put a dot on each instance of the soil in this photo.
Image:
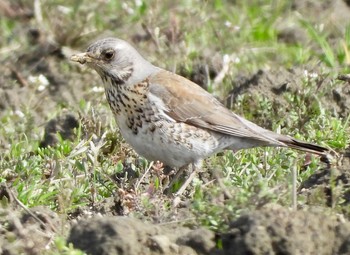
(271, 230)
(268, 230)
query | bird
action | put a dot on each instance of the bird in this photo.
(166, 117)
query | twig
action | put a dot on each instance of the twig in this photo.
(27, 209)
(150, 34)
(19, 76)
(38, 12)
(143, 176)
(294, 188)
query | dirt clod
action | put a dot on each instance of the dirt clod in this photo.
(63, 125)
(121, 235)
(27, 232)
(271, 230)
(282, 231)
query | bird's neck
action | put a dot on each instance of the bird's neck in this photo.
(141, 71)
(124, 99)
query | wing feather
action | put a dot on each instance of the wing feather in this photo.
(186, 102)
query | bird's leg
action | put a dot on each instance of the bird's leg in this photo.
(195, 167)
(188, 181)
(168, 188)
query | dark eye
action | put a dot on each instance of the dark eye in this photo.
(108, 54)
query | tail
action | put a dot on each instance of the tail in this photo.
(308, 147)
(305, 146)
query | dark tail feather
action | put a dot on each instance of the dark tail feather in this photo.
(305, 146)
(309, 147)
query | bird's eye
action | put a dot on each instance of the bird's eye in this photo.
(108, 54)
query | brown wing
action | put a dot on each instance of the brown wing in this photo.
(186, 102)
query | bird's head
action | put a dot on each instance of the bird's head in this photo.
(116, 61)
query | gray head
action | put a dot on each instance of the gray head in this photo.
(116, 61)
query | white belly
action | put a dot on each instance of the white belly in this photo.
(186, 144)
